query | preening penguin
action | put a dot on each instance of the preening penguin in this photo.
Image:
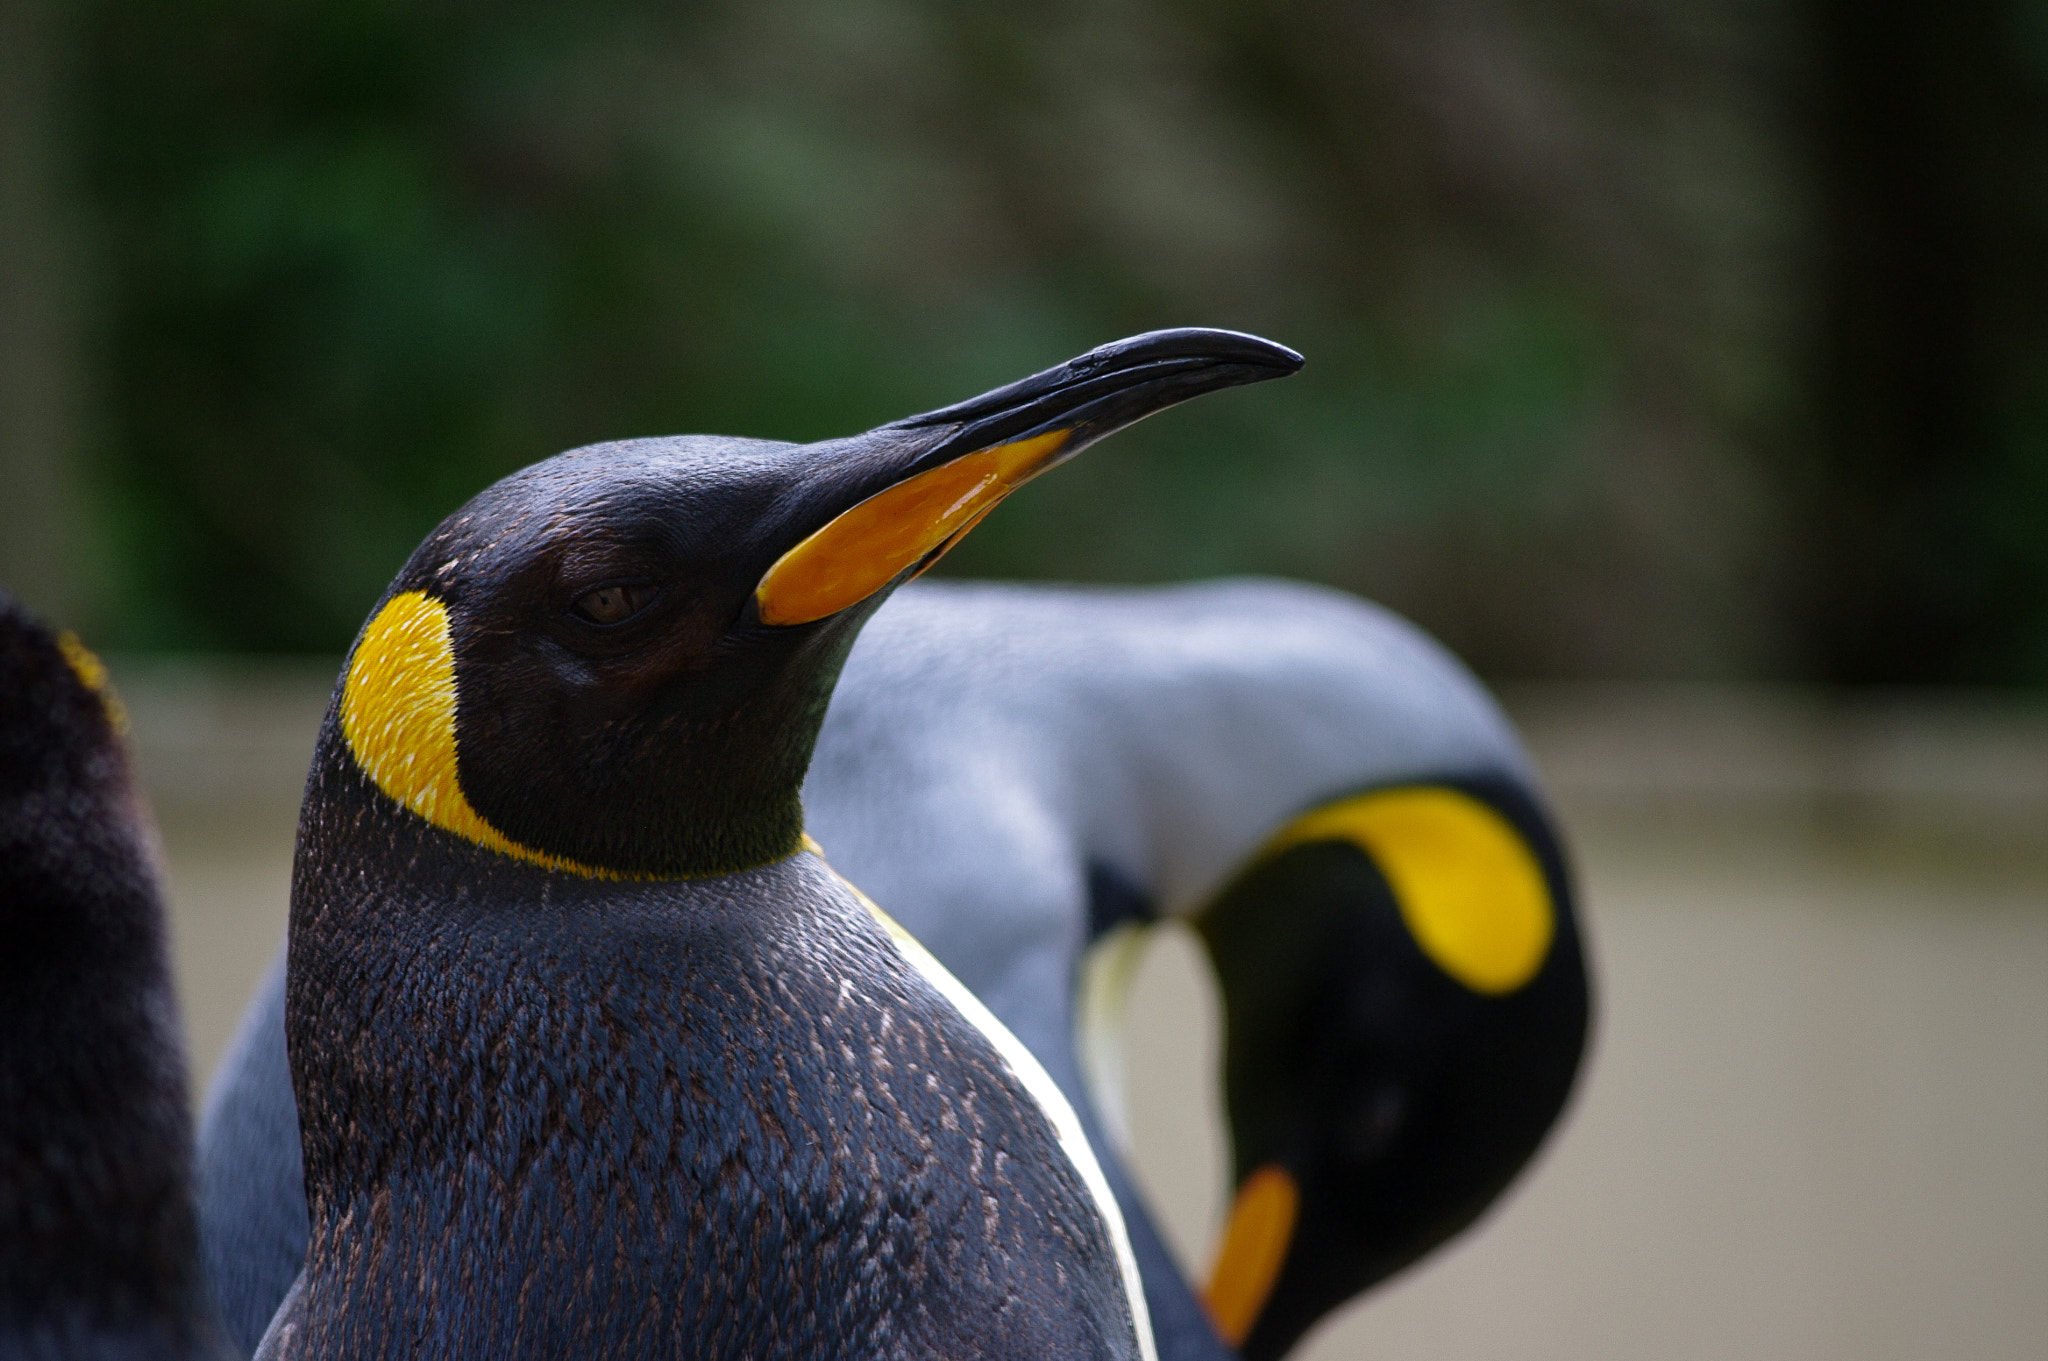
(99, 1248)
(1034, 776)
(593, 1056)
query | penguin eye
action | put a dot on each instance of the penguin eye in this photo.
(612, 604)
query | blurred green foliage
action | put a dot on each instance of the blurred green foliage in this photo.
(353, 259)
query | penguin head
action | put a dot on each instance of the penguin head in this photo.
(615, 662)
(1407, 1005)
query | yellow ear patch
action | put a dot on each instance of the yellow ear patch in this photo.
(1471, 892)
(398, 715)
(862, 549)
(92, 674)
(1256, 1238)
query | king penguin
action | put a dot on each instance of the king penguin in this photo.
(99, 1246)
(594, 1054)
(1033, 778)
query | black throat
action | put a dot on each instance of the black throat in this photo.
(703, 779)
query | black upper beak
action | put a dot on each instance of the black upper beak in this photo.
(1104, 390)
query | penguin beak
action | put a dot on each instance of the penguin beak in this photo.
(913, 489)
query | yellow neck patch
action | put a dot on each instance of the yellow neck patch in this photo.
(398, 715)
(1473, 896)
(863, 548)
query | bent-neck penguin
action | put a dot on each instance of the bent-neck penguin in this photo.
(1039, 775)
(99, 1246)
(594, 1055)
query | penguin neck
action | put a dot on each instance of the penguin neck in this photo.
(703, 779)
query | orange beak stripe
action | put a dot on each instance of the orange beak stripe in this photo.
(864, 548)
(1255, 1243)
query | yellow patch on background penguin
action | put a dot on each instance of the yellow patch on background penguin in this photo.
(398, 714)
(92, 674)
(1471, 892)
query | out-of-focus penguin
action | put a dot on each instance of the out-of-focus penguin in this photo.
(1037, 776)
(99, 1247)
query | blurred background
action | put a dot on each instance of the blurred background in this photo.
(1682, 365)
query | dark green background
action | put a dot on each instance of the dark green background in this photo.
(1645, 339)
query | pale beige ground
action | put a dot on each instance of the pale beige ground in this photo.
(1815, 1124)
